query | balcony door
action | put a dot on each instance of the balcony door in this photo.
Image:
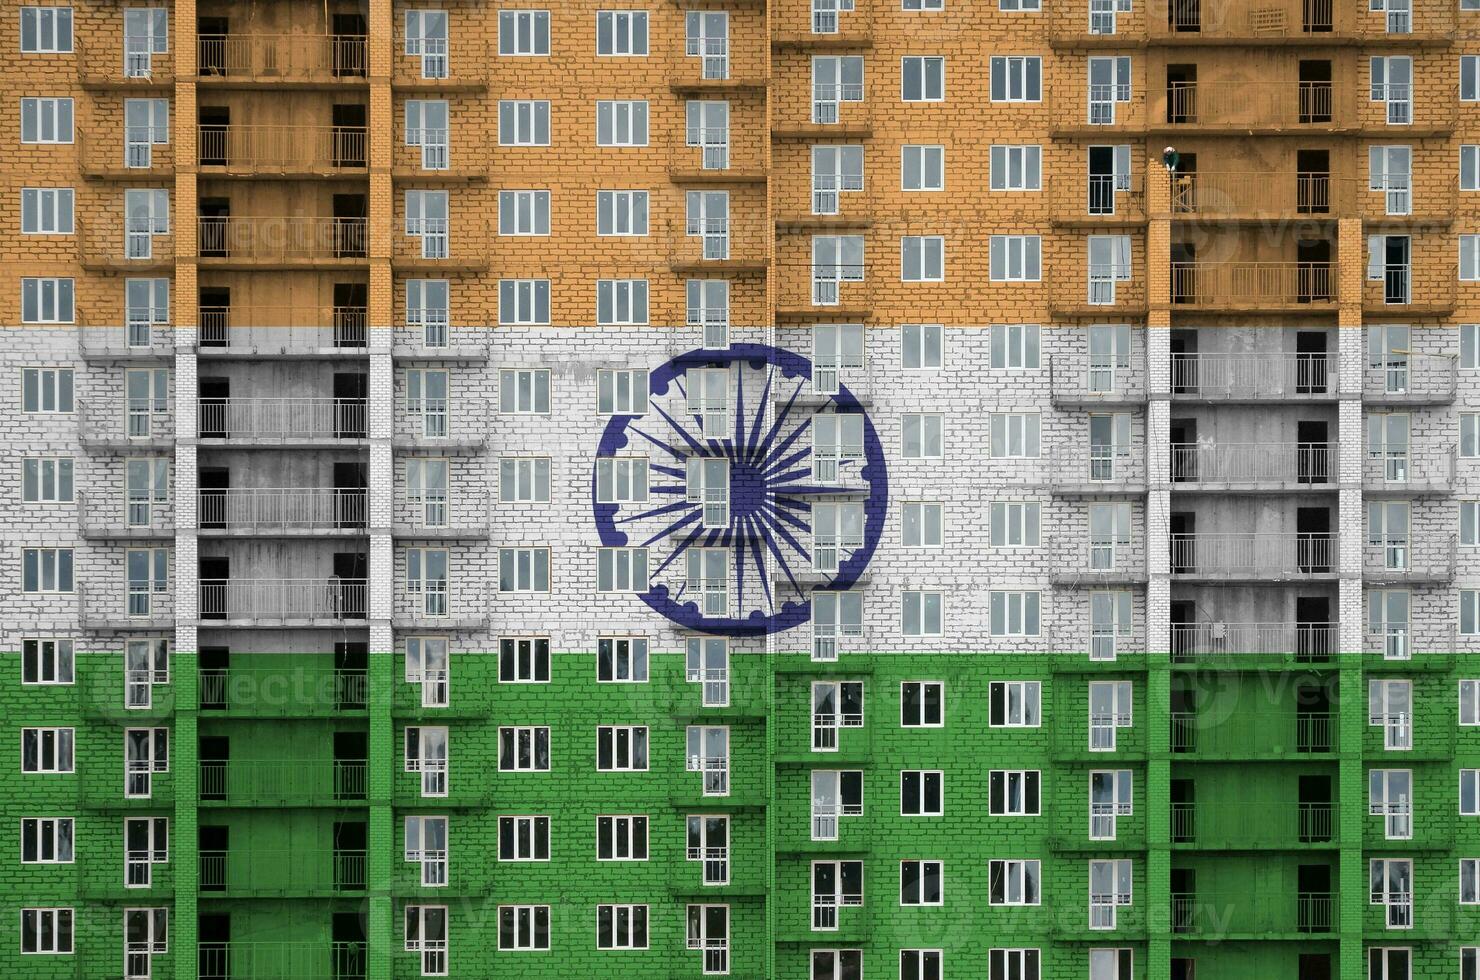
(1312, 452)
(1310, 362)
(215, 129)
(214, 396)
(212, 32)
(351, 388)
(351, 569)
(215, 219)
(215, 574)
(1313, 628)
(1313, 271)
(215, 667)
(1313, 541)
(349, 135)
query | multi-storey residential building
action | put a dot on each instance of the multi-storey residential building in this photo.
(854, 490)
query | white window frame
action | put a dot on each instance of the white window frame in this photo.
(624, 836)
(626, 746)
(527, 121)
(1104, 727)
(524, 213)
(930, 89)
(525, 829)
(928, 166)
(49, 28)
(45, 836)
(1021, 792)
(626, 654)
(50, 123)
(922, 524)
(1022, 704)
(625, 30)
(54, 928)
(524, 660)
(625, 122)
(524, 479)
(622, 570)
(535, 734)
(48, 299)
(622, 214)
(1016, 258)
(433, 860)
(1027, 86)
(614, 915)
(917, 897)
(621, 302)
(1022, 882)
(922, 799)
(1385, 799)
(47, 660)
(48, 211)
(922, 258)
(524, 33)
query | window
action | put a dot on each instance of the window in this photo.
(621, 479)
(621, 838)
(426, 752)
(837, 964)
(1390, 170)
(622, 33)
(146, 124)
(923, 346)
(146, 664)
(1469, 167)
(923, 437)
(46, 30)
(1469, 612)
(923, 168)
(1014, 792)
(1015, 258)
(148, 575)
(1469, 78)
(1015, 523)
(708, 752)
(46, 661)
(1109, 711)
(1469, 881)
(1014, 964)
(1013, 882)
(524, 749)
(836, 794)
(621, 748)
(47, 300)
(1469, 792)
(922, 524)
(146, 842)
(1392, 83)
(920, 882)
(523, 32)
(1013, 613)
(427, 580)
(428, 306)
(621, 302)
(426, 38)
(1017, 79)
(1015, 704)
(426, 935)
(1110, 796)
(1387, 619)
(1014, 435)
(146, 32)
(524, 570)
(921, 792)
(146, 302)
(922, 613)
(427, 127)
(46, 931)
(1469, 258)
(524, 480)
(622, 660)
(1392, 886)
(1469, 434)
(145, 752)
(524, 212)
(1118, 964)
(621, 392)
(524, 392)
(707, 126)
(46, 840)
(523, 122)
(836, 170)
(1469, 956)
(835, 80)
(834, 614)
(1109, 262)
(709, 930)
(834, 884)
(920, 964)
(1109, 888)
(426, 490)
(46, 120)
(426, 665)
(621, 123)
(1390, 706)
(46, 570)
(426, 845)
(621, 927)
(1109, 83)
(922, 258)
(524, 660)
(426, 219)
(524, 838)
(1016, 168)
(709, 843)
(1110, 621)
(1469, 702)
(1390, 796)
(46, 480)
(923, 79)
(145, 935)
(524, 301)
(621, 570)
(46, 211)
(622, 213)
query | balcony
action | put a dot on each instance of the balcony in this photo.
(1110, 289)
(1419, 558)
(439, 515)
(1086, 563)
(1411, 379)
(110, 156)
(116, 608)
(436, 606)
(456, 64)
(281, 242)
(827, 291)
(286, 512)
(283, 331)
(1276, 376)
(290, 691)
(281, 421)
(127, 423)
(104, 65)
(718, 245)
(1209, 916)
(445, 423)
(281, 873)
(441, 341)
(1294, 22)
(296, 782)
(1099, 199)
(1093, 469)
(1254, 466)
(1244, 825)
(1271, 286)
(1250, 195)
(113, 517)
(1409, 469)
(303, 602)
(1253, 557)
(1252, 645)
(307, 60)
(1252, 107)
(134, 341)
(1251, 735)
(281, 151)
(282, 960)
(113, 244)
(1079, 380)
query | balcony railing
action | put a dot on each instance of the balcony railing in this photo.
(1275, 375)
(1096, 467)
(115, 242)
(1252, 463)
(282, 691)
(1254, 194)
(1251, 104)
(284, 149)
(269, 239)
(1254, 555)
(126, 421)
(282, 509)
(118, 607)
(1091, 378)
(287, 599)
(440, 421)
(1314, 20)
(281, 960)
(1411, 378)
(1420, 469)
(1252, 733)
(278, 58)
(1409, 558)
(140, 339)
(1100, 195)
(266, 783)
(1235, 643)
(1079, 560)
(282, 872)
(261, 330)
(282, 419)
(1209, 914)
(1253, 824)
(113, 515)
(1252, 284)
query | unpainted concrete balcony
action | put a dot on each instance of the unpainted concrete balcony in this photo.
(1410, 379)
(281, 421)
(302, 602)
(281, 151)
(115, 517)
(1268, 286)
(282, 331)
(1098, 379)
(279, 512)
(1081, 561)
(120, 608)
(1211, 916)
(1223, 644)
(1408, 469)
(304, 60)
(1247, 105)
(1408, 558)
(271, 783)
(1276, 376)
(281, 241)
(1294, 22)
(1254, 466)
(1254, 557)
(126, 423)
(1259, 194)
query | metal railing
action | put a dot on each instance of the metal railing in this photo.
(1238, 376)
(1238, 193)
(1250, 103)
(143, 338)
(1408, 467)
(1207, 913)
(115, 241)
(283, 329)
(281, 148)
(1250, 823)
(265, 782)
(1411, 377)
(1252, 284)
(1409, 557)
(1259, 733)
(126, 420)
(1254, 555)
(263, 509)
(115, 515)
(268, 238)
(282, 419)
(282, 57)
(282, 691)
(1096, 377)
(1219, 641)
(285, 598)
(281, 960)
(282, 872)
(1091, 465)
(1085, 559)
(1249, 463)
